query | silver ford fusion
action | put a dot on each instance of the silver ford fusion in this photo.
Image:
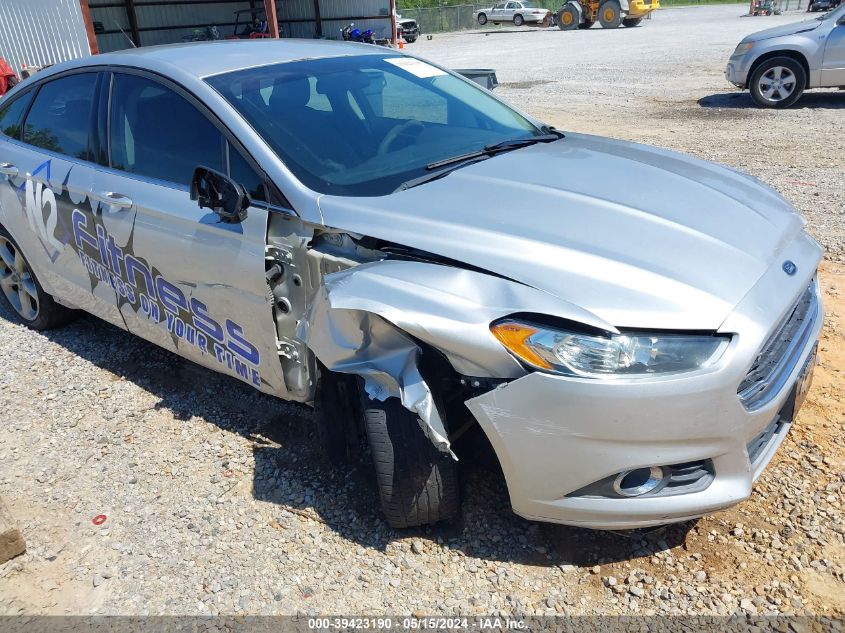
(777, 65)
(633, 330)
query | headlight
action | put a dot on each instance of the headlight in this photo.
(634, 354)
(742, 49)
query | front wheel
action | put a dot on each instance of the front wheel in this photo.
(631, 22)
(482, 19)
(418, 484)
(778, 83)
(411, 39)
(568, 18)
(24, 293)
(610, 14)
(517, 20)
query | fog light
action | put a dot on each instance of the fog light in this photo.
(633, 483)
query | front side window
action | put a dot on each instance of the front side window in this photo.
(11, 114)
(157, 133)
(363, 125)
(60, 118)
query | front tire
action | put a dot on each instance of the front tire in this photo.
(778, 83)
(418, 484)
(518, 20)
(610, 14)
(568, 18)
(23, 292)
(482, 19)
(631, 22)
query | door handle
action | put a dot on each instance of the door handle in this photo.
(8, 169)
(115, 199)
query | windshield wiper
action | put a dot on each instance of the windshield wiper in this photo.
(450, 165)
(503, 146)
(462, 160)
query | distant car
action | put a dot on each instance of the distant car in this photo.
(408, 29)
(777, 65)
(517, 12)
(822, 5)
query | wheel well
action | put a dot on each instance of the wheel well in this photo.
(787, 53)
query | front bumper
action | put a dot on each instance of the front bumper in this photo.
(555, 435)
(736, 71)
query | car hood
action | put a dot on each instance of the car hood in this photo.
(640, 237)
(786, 29)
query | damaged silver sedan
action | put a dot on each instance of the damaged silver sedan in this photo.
(631, 329)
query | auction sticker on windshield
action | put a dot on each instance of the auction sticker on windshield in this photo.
(415, 67)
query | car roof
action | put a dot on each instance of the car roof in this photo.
(204, 59)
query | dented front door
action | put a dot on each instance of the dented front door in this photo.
(197, 284)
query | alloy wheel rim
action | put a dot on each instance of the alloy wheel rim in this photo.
(777, 84)
(17, 282)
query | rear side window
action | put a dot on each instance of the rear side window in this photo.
(60, 117)
(11, 114)
(159, 134)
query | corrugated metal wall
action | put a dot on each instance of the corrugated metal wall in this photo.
(41, 32)
(335, 14)
(170, 15)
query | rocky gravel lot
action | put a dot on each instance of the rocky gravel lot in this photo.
(218, 502)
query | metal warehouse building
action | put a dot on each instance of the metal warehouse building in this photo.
(43, 32)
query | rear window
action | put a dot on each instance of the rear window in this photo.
(60, 117)
(11, 114)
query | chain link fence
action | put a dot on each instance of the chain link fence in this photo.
(440, 19)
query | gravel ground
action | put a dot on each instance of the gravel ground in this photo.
(218, 502)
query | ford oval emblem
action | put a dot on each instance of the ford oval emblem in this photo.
(789, 267)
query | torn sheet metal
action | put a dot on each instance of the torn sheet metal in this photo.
(365, 320)
(361, 343)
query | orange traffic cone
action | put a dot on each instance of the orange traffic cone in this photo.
(401, 42)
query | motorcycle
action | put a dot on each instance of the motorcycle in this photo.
(350, 34)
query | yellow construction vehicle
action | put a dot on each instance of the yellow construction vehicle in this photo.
(582, 14)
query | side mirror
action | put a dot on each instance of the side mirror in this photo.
(216, 191)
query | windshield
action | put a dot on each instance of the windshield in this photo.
(362, 125)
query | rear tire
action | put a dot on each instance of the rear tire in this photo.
(778, 83)
(631, 22)
(517, 20)
(482, 19)
(23, 292)
(418, 484)
(568, 18)
(610, 14)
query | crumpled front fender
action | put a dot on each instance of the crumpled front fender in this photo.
(367, 320)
